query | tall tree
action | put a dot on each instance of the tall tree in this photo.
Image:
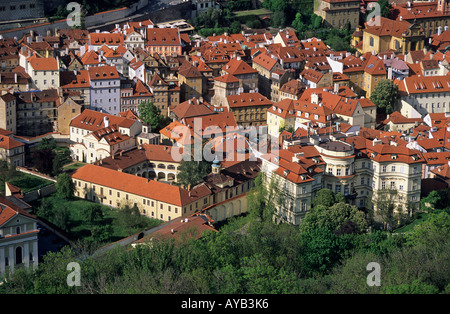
(150, 114)
(65, 187)
(385, 96)
(192, 172)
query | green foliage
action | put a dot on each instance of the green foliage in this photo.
(385, 7)
(432, 232)
(65, 187)
(437, 199)
(150, 114)
(239, 5)
(340, 218)
(92, 213)
(192, 172)
(322, 249)
(417, 287)
(385, 96)
(324, 197)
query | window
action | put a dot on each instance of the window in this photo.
(371, 41)
(393, 169)
(383, 185)
(383, 169)
(338, 172)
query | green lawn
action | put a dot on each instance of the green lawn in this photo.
(26, 182)
(80, 228)
(251, 12)
(74, 166)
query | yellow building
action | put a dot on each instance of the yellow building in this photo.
(249, 108)
(400, 36)
(374, 72)
(429, 15)
(154, 199)
(191, 81)
(337, 13)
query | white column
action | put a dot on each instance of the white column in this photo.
(35, 253)
(26, 254)
(2, 261)
(11, 258)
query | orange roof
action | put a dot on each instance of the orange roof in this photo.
(424, 84)
(43, 64)
(9, 143)
(77, 79)
(227, 78)
(93, 120)
(426, 10)
(191, 108)
(442, 171)
(163, 36)
(284, 108)
(238, 67)
(136, 185)
(311, 75)
(375, 66)
(388, 28)
(106, 72)
(111, 39)
(248, 100)
(265, 60)
(397, 118)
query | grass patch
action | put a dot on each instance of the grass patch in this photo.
(26, 182)
(74, 166)
(252, 12)
(420, 217)
(81, 229)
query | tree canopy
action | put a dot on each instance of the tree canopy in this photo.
(385, 96)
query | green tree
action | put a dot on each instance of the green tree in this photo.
(321, 250)
(150, 114)
(43, 160)
(416, 287)
(324, 197)
(385, 96)
(192, 172)
(101, 233)
(92, 213)
(65, 187)
(431, 232)
(61, 217)
(385, 7)
(235, 27)
(340, 218)
(298, 23)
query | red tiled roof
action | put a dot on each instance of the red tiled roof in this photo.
(93, 120)
(112, 39)
(9, 143)
(238, 67)
(44, 64)
(227, 78)
(248, 100)
(265, 60)
(106, 72)
(163, 37)
(132, 184)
